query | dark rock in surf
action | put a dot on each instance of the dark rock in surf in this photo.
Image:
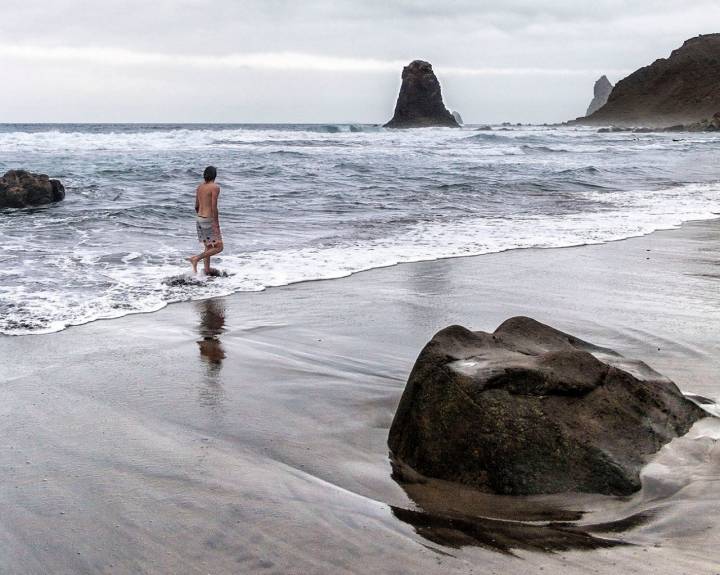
(715, 122)
(420, 104)
(710, 125)
(458, 118)
(601, 93)
(529, 410)
(707, 125)
(680, 90)
(216, 273)
(22, 189)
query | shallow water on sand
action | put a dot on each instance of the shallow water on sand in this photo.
(310, 202)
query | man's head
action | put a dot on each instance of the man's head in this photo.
(210, 174)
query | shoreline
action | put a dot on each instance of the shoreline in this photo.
(526, 187)
(714, 217)
(257, 422)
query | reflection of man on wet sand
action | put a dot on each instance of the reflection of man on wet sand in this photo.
(212, 322)
(212, 354)
(208, 221)
(211, 349)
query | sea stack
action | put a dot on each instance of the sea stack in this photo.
(683, 89)
(22, 189)
(420, 103)
(601, 93)
(529, 409)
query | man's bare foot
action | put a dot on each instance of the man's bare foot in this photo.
(194, 262)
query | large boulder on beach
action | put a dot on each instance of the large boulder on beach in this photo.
(601, 93)
(529, 409)
(420, 103)
(22, 189)
(679, 90)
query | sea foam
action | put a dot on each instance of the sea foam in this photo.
(307, 202)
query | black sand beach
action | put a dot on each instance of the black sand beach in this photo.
(248, 434)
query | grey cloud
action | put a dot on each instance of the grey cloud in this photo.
(603, 35)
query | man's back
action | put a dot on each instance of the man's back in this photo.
(205, 199)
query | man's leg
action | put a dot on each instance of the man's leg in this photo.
(194, 260)
(207, 260)
(215, 249)
(210, 250)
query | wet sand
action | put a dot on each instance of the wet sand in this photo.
(248, 434)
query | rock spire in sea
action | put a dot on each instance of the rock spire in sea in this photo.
(601, 93)
(420, 103)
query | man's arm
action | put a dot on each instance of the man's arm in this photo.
(197, 201)
(215, 194)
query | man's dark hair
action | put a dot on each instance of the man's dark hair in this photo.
(210, 173)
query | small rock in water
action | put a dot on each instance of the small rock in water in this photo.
(21, 189)
(182, 280)
(216, 273)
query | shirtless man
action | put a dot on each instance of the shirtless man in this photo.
(208, 223)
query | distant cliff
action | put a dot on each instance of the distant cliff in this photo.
(681, 89)
(420, 103)
(601, 93)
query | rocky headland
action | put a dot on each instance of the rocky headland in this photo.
(420, 103)
(22, 189)
(529, 409)
(682, 90)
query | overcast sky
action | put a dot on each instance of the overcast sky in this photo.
(323, 60)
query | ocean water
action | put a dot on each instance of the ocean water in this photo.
(304, 202)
